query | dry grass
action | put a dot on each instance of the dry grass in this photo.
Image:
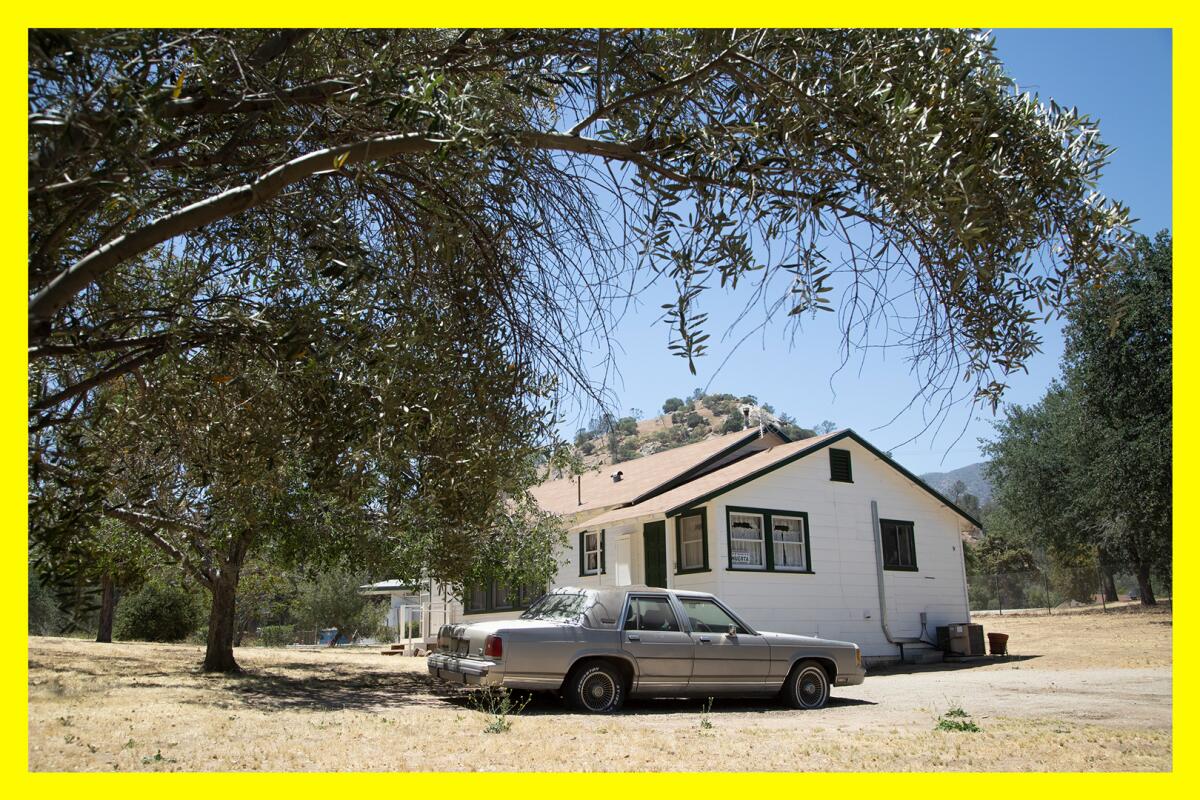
(147, 707)
(1129, 636)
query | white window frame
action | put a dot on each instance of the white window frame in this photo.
(762, 542)
(588, 551)
(804, 565)
(697, 541)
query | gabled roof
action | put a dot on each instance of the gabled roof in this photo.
(644, 477)
(755, 465)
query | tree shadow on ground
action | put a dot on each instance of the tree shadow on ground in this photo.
(333, 690)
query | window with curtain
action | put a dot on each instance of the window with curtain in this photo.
(747, 549)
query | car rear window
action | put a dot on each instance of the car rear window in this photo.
(565, 607)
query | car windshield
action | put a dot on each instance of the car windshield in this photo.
(566, 607)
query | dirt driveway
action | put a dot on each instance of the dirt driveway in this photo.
(1082, 693)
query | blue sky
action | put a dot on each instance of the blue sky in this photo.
(1121, 77)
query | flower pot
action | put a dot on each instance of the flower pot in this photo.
(998, 643)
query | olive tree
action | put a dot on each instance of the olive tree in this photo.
(315, 289)
(887, 163)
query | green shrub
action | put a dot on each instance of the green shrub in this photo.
(158, 612)
(734, 422)
(276, 635)
(672, 405)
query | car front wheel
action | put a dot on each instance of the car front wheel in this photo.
(596, 688)
(807, 686)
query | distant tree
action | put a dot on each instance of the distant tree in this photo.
(1005, 566)
(824, 427)
(1118, 363)
(733, 422)
(90, 564)
(719, 404)
(331, 599)
(627, 426)
(957, 490)
(694, 420)
(636, 413)
(1087, 470)
(671, 405)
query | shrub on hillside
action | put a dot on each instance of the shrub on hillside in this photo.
(158, 612)
(671, 405)
(734, 422)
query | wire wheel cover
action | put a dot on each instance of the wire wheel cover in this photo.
(811, 687)
(598, 691)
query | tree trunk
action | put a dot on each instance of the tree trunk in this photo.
(218, 655)
(108, 608)
(1110, 586)
(222, 620)
(1144, 588)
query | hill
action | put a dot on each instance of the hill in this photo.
(610, 440)
(972, 476)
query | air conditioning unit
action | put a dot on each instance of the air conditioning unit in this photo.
(962, 639)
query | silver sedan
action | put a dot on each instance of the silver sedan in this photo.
(598, 646)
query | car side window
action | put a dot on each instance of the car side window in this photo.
(705, 616)
(650, 614)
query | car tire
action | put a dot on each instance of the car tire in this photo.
(595, 688)
(807, 686)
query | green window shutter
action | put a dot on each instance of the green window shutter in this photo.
(582, 553)
(602, 564)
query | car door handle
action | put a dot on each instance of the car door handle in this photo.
(633, 637)
(705, 640)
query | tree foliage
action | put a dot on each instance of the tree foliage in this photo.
(1087, 470)
(160, 611)
(732, 156)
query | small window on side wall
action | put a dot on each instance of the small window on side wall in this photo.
(899, 545)
(591, 552)
(692, 542)
(839, 466)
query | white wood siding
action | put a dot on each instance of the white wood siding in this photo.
(840, 600)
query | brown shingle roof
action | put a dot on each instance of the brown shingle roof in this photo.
(711, 482)
(640, 475)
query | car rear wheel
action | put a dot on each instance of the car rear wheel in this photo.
(807, 686)
(595, 688)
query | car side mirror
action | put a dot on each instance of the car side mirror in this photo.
(732, 631)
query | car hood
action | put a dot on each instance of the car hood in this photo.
(783, 639)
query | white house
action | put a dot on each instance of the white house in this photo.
(825, 536)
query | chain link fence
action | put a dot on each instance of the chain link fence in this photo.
(1047, 591)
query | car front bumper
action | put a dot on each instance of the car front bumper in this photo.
(852, 678)
(465, 671)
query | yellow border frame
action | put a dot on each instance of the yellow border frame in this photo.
(14, 664)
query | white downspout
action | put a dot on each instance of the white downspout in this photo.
(883, 618)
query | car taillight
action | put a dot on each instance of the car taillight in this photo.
(493, 647)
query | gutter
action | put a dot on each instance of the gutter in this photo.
(899, 641)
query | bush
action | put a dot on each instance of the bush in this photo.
(158, 612)
(276, 635)
(734, 422)
(627, 426)
(672, 405)
(694, 420)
